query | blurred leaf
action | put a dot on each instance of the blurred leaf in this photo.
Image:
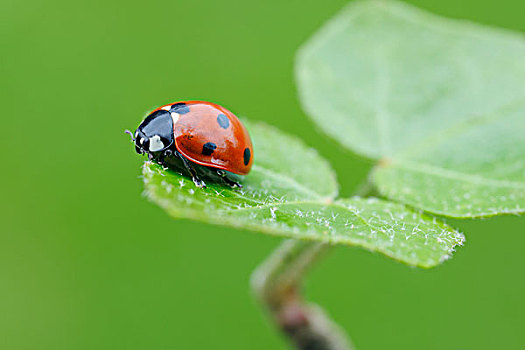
(290, 192)
(440, 103)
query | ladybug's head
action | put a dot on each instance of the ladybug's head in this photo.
(154, 134)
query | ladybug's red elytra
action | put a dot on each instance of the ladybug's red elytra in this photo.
(197, 132)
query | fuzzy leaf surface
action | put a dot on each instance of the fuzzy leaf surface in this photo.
(292, 194)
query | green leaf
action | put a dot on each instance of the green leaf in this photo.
(290, 192)
(439, 103)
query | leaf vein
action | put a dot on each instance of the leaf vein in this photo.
(456, 175)
(288, 180)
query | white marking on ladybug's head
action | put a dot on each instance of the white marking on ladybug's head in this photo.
(166, 108)
(155, 144)
(141, 140)
(136, 133)
(175, 117)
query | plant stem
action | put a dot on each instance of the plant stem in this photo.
(277, 285)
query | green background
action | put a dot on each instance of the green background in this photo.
(87, 263)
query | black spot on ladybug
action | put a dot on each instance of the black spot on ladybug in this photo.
(180, 108)
(247, 155)
(208, 148)
(223, 121)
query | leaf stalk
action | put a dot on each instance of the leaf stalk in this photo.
(276, 283)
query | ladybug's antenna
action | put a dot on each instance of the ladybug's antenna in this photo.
(130, 134)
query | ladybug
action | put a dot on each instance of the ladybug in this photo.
(198, 133)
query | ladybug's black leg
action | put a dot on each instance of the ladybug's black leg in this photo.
(226, 179)
(163, 155)
(160, 159)
(167, 153)
(198, 182)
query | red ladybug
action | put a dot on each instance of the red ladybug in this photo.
(197, 132)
